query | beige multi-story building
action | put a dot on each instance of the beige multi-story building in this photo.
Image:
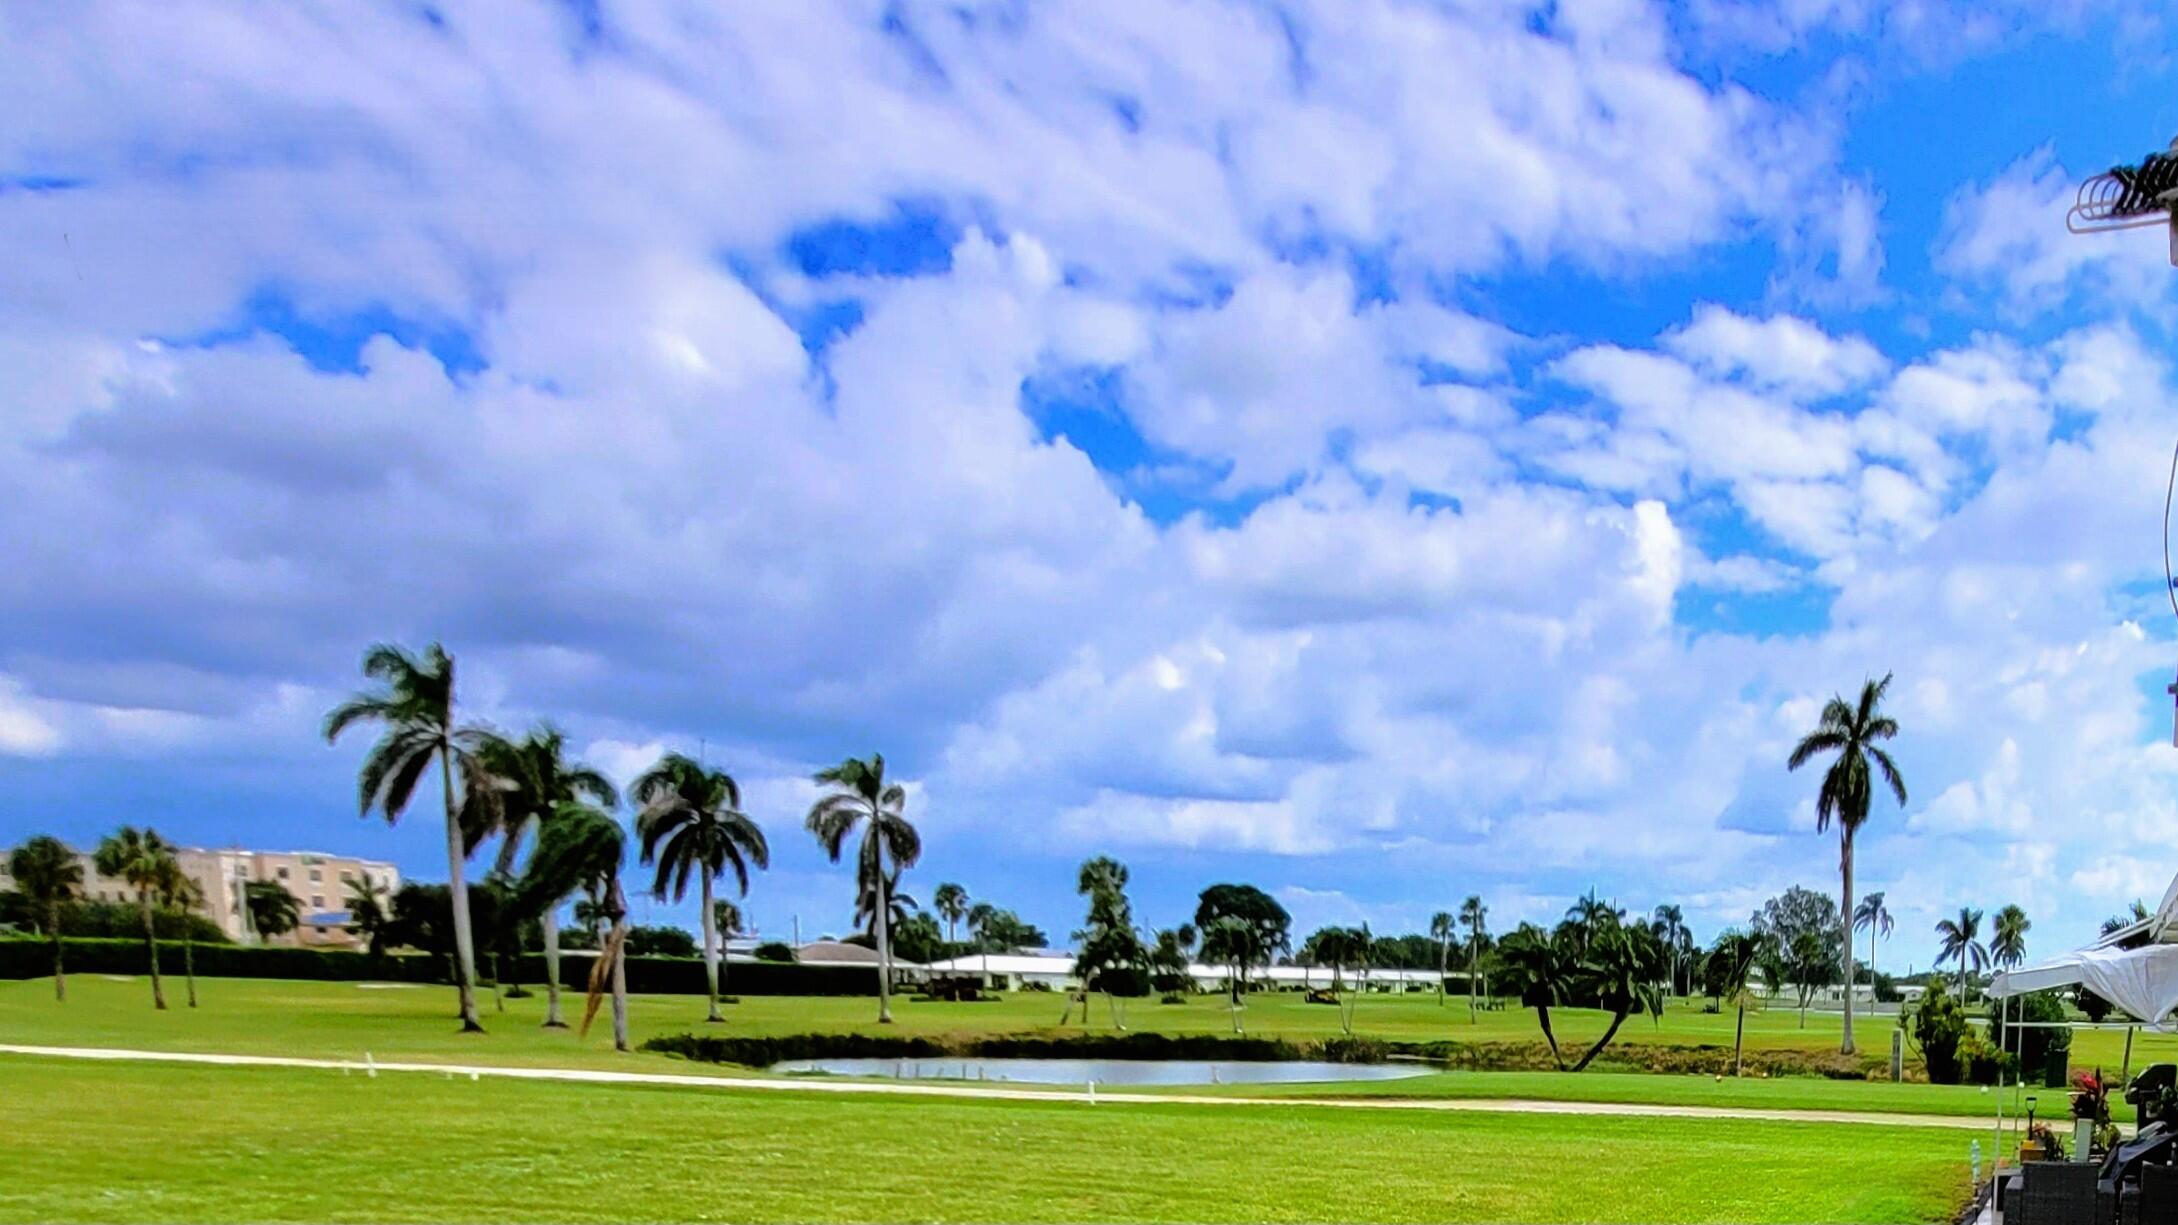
(318, 882)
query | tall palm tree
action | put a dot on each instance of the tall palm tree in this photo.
(863, 797)
(1473, 915)
(951, 903)
(1441, 930)
(1848, 791)
(2008, 937)
(1962, 944)
(49, 877)
(415, 702)
(691, 823)
(1729, 967)
(1873, 917)
(139, 858)
(1670, 928)
(1623, 962)
(980, 915)
(180, 893)
(532, 778)
(582, 847)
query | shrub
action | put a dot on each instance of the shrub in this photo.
(660, 942)
(111, 920)
(1937, 1027)
(1346, 1049)
(2034, 1045)
(776, 950)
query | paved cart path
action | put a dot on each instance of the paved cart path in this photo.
(924, 1089)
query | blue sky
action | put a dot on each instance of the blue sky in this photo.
(1383, 452)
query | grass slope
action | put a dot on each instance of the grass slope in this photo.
(143, 1142)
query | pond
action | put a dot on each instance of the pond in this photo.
(1104, 1071)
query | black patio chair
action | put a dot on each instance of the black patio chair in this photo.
(2056, 1193)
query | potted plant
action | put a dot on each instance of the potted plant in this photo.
(2090, 1110)
(2041, 1144)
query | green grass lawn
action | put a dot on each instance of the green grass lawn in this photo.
(148, 1142)
(344, 1020)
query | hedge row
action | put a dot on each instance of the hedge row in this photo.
(646, 975)
(763, 1052)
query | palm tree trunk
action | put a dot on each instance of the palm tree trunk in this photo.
(1542, 1017)
(1618, 1018)
(457, 890)
(620, 988)
(883, 920)
(1845, 917)
(1739, 1035)
(189, 961)
(1444, 955)
(550, 923)
(60, 970)
(1474, 950)
(710, 948)
(151, 947)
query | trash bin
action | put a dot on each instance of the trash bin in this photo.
(2054, 1069)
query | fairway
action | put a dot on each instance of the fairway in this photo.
(142, 1142)
(345, 1020)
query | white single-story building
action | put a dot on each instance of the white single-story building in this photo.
(1054, 969)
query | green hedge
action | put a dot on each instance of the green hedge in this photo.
(21, 958)
(763, 1052)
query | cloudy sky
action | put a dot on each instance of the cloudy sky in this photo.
(1382, 452)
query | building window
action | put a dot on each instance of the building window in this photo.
(283, 874)
(316, 876)
(318, 900)
(346, 877)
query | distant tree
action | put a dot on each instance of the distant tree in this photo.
(49, 876)
(582, 847)
(1784, 919)
(660, 940)
(1808, 967)
(1726, 973)
(2117, 923)
(1624, 963)
(140, 858)
(2008, 937)
(1668, 924)
(369, 905)
(862, 798)
(1850, 731)
(1474, 916)
(1962, 945)
(951, 903)
(1269, 924)
(1873, 917)
(1112, 959)
(181, 894)
(918, 938)
(415, 701)
(1233, 942)
(533, 777)
(691, 823)
(1538, 970)
(775, 950)
(273, 910)
(1442, 928)
(1168, 959)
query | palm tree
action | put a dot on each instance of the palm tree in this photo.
(1670, 928)
(532, 779)
(582, 847)
(1848, 790)
(2118, 923)
(49, 876)
(2008, 937)
(864, 798)
(1441, 930)
(140, 858)
(1541, 972)
(273, 910)
(415, 702)
(1873, 917)
(1962, 944)
(1473, 914)
(1729, 967)
(691, 823)
(1232, 941)
(180, 893)
(980, 916)
(1621, 968)
(370, 910)
(951, 903)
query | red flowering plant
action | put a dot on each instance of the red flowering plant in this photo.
(2090, 1097)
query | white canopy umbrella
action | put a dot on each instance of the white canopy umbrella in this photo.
(2142, 981)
